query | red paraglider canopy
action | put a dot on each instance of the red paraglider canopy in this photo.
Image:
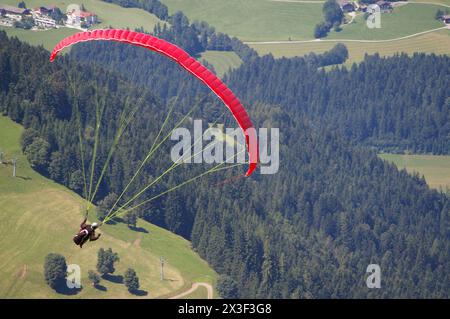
(186, 61)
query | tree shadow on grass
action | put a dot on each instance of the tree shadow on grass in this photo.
(139, 229)
(140, 293)
(64, 290)
(111, 222)
(100, 287)
(25, 178)
(117, 279)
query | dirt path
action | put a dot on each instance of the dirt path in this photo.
(23, 272)
(194, 287)
(348, 40)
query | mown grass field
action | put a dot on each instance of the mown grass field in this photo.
(284, 20)
(253, 20)
(48, 39)
(444, 2)
(436, 42)
(221, 60)
(39, 216)
(436, 169)
(262, 20)
(109, 14)
(403, 21)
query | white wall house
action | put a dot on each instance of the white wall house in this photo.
(44, 21)
(77, 18)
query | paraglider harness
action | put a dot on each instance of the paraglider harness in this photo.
(86, 232)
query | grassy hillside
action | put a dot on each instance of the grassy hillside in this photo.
(403, 21)
(109, 14)
(443, 2)
(436, 169)
(39, 216)
(221, 60)
(262, 20)
(48, 39)
(435, 42)
(253, 20)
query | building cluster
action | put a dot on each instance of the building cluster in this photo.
(349, 6)
(47, 17)
(352, 6)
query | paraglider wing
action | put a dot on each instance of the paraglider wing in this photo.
(186, 61)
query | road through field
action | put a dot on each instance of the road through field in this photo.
(399, 2)
(298, 1)
(347, 40)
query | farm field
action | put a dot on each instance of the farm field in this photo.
(221, 60)
(48, 39)
(262, 20)
(436, 169)
(40, 216)
(436, 42)
(253, 20)
(403, 21)
(290, 24)
(443, 2)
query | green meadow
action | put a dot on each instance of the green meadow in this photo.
(253, 20)
(39, 217)
(435, 42)
(221, 61)
(403, 21)
(435, 169)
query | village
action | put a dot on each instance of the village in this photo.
(352, 7)
(46, 17)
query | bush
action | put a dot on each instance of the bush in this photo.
(106, 260)
(55, 270)
(105, 205)
(93, 277)
(321, 30)
(131, 280)
(38, 154)
(130, 219)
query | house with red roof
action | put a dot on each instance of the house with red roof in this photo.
(80, 18)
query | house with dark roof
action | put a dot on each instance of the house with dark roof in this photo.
(446, 19)
(348, 6)
(10, 10)
(45, 10)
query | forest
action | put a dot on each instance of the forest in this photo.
(362, 103)
(308, 231)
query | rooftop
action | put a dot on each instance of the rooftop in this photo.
(12, 9)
